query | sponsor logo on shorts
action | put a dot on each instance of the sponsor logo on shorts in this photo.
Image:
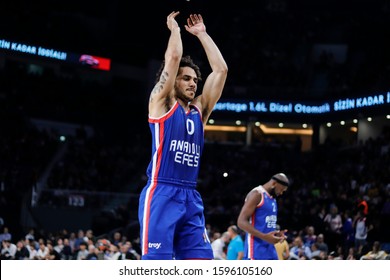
(154, 245)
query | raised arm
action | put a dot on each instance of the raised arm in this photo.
(213, 86)
(160, 99)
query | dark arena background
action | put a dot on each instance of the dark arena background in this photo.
(307, 94)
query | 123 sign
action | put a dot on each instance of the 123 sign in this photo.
(76, 200)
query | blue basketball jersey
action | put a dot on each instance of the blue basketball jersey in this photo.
(263, 219)
(170, 208)
(177, 146)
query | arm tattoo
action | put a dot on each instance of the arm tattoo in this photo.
(155, 90)
(158, 87)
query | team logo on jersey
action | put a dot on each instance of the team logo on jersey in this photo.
(270, 221)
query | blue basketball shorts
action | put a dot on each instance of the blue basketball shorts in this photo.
(172, 224)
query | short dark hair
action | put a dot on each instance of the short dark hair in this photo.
(186, 61)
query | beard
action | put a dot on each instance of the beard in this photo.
(182, 96)
(272, 192)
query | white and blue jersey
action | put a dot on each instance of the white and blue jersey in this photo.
(263, 219)
(177, 145)
(171, 209)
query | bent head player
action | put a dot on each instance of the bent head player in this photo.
(258, 218)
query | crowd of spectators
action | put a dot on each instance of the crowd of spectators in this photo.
(80, 245)
(323, 202)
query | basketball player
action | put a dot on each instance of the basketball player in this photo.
(258, 218)
(172, 223)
